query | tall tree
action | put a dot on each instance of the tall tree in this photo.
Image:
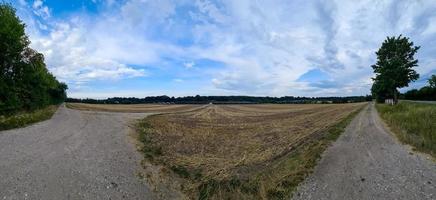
(12, 42)
(394, 67)
(25, 82)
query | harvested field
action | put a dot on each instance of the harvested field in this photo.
(132, 108)
(240, 151)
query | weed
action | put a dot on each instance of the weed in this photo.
(413, 123)
(26, 118)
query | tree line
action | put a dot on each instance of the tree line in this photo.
(221, 100)
(427, 93)
(25, 82)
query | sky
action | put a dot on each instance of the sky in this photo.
(137, 48)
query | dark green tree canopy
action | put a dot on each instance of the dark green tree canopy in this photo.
(25, 82)
(394, 66)
(427, 92)
(432, 81)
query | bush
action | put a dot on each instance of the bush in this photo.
(24, 119)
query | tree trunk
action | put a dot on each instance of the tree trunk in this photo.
(395, 96)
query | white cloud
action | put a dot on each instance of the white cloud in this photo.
(73, 57)
(37, 4)
(264, 46)
(189, 65)
(40, 9)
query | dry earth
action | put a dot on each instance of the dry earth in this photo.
(74, 155)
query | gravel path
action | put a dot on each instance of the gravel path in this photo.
(367, 162)
(74, 155)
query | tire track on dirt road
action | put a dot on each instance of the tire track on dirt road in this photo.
(368, 162)
(74, 155)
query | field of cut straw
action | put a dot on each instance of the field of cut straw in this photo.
(243, 151)
(154, 108)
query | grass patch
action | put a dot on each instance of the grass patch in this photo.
(26, 118)
(413, 123)
(149, 149)
(243, 151)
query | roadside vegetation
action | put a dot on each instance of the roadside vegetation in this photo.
(413, 123)
(25, 83)
(426, 93)
(243, 151)
(26, 118)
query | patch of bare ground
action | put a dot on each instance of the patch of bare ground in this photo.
(242, 151)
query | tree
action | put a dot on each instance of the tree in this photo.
(25, 82)
(12, 42)
(379, 91)
(432, 81)
(394, 67)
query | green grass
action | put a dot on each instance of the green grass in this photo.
(413, 123)
(26, 118)
(149, 149)
(276, 181)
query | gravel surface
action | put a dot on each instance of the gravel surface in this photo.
(367, 162)
(74, 155)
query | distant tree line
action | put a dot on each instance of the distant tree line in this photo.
(222, 100)
(25, 82)
(427, 93)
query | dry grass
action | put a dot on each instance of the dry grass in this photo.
(241, 151)
(155, 108)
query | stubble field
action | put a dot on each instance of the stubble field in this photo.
(133, 108)
(243, 151)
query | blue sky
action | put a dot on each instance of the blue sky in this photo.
(104, 48)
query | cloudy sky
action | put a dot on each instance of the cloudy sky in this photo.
(104, 48)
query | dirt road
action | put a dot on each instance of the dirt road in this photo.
(75, 155)
(367, 162)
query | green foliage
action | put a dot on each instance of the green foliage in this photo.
(148, 149)
(380, 92)
(413, 123)
(432, 81)
(25, 83)
(425, 93)
(24, 119)
(394, 67)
